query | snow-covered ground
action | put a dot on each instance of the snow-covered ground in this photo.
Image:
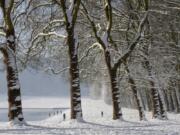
(40, 90)
(93, 123)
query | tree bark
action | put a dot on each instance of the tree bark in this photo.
(163, 107)
(175, 101)
(172, 102)
(76, 110)
(158, 104)
(154, 92)
(70, 16)
(14, 94)
(167, 100)
(9, 51)
(136, 95)
(178, 100)
(117, 113)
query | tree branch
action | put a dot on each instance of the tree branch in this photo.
(86, 13)
(133, 44)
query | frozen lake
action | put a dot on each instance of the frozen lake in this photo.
(33, 114)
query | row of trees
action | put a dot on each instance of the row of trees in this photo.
(114, 43)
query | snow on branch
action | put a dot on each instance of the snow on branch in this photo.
(133, 44)
(52, 23)
(93, 25)
(56, 72)
(48, 35)
(2, 34)
(88, 51)
(173, 2)
(163, 12)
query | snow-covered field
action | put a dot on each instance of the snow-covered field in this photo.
(44, 91)
(93, 123)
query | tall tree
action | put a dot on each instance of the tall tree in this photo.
(106, 42)
(70, 14)
(159, 109)
(135, 93)
(9, 51)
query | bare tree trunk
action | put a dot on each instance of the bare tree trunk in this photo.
(154, 92)
(136, 95)
(162, 105)
(172, 102)
(9, 51)
(149, 101)
(158, 105)
(175, 101)
(138, 100)
(174, 95)
(159, 109)
(117, 113)
(14, 94)
(70, 15)
(76, 110)
(167, 100)
(178, 100)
